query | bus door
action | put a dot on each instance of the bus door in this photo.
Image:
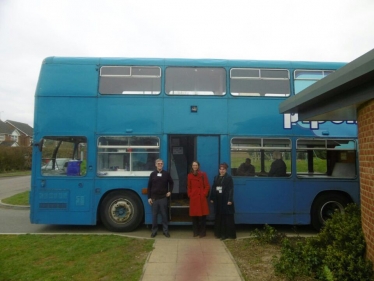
(183, 149)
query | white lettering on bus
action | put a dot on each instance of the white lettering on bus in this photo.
(292, 119)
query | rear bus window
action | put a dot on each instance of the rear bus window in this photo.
(64, 156)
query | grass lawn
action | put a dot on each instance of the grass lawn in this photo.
(18, 199)
(72, 257)
(15, 174)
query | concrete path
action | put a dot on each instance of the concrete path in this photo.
(198, 259)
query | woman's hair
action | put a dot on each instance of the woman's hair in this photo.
(198, 167)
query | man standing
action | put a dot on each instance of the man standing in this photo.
(160, 187)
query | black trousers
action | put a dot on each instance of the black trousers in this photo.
(199, 225)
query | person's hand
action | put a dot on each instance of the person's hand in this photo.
(168, 194)
(229, 203)
(211, 201)
(150, 202)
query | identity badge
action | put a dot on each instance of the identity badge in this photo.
(219, 189)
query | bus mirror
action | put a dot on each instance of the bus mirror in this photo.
(39, 144)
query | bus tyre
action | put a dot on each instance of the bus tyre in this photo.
(325, 206)
(121, 211)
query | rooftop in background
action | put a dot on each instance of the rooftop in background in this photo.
(23, 127)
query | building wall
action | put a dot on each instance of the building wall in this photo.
(366, 142)
(23, 140)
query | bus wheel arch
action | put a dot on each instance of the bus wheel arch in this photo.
(325, 204)
(121, 210)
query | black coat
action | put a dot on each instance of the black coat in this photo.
(220, 199)
(278, 169)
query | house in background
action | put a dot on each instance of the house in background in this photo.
(14, 134)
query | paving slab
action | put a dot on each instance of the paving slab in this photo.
(183, 259)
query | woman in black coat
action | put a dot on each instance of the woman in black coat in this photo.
(222, 196)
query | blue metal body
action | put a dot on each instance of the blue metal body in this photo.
(67, 102)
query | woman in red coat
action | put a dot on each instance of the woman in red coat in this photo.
(198, 191)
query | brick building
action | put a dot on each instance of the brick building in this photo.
(347, 94)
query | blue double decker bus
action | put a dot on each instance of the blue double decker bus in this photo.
(100, 124)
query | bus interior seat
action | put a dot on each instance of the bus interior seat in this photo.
(344, 170)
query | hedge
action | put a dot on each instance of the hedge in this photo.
(15, 158)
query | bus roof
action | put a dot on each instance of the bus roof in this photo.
(191, 62)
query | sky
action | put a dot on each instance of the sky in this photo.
(318, 30)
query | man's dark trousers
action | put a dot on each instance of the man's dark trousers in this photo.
(160, 206)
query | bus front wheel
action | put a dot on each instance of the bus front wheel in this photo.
(325, 206)
(121, 211)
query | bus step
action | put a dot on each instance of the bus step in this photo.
(180, 214)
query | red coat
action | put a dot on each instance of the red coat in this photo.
(198, 191)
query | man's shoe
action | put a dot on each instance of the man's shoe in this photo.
(153, 235)
(167, 234)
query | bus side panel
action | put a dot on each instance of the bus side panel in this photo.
(123, 115)
(263, 200)
(64, 115)
(62, 201)
(255, 118)
(209, 119)
(67, 80)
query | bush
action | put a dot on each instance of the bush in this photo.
(269, 235)
(337, 253)
(15, 158)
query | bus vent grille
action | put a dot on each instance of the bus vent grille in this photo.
(52, 205)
